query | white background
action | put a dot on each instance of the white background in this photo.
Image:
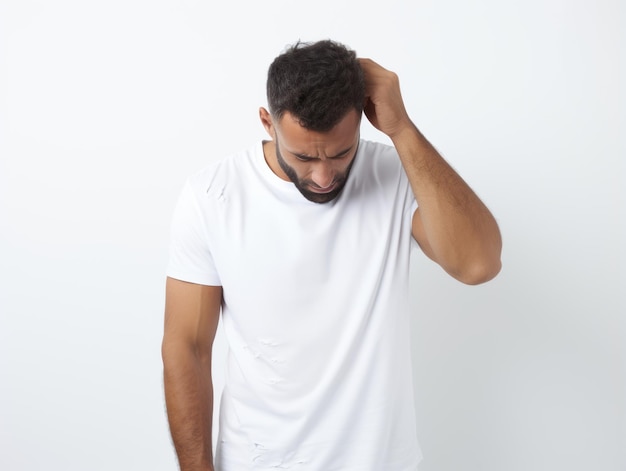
(106, 107)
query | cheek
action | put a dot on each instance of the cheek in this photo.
(301, 169)
(344, 167)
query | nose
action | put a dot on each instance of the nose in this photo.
(323, 175)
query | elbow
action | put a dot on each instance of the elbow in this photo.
(169, 353)
(478, 267)
(480, 272)
(176, 352)
(483, 264)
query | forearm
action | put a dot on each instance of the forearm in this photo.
(459, 231)
(189, 401)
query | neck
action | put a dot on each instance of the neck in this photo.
(269, 152)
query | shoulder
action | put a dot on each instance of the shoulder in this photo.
(375, 149)
(226, 171)
(378, 176)
(379, 160)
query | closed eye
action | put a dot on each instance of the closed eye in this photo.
(341, 155)
(307, 158)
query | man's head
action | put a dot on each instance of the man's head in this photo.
(317, 83)
(315, 94)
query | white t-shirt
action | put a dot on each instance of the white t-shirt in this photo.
(315, 312)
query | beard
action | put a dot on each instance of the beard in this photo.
(302, 185)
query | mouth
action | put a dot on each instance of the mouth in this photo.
(322, 191)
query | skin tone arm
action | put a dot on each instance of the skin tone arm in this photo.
(191, 318)
(452, 226)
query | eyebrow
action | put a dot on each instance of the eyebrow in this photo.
(336, 156)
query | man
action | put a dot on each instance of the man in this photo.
(303, 244)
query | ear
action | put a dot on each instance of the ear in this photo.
(266, 121)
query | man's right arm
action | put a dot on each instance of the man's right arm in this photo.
(191, 318)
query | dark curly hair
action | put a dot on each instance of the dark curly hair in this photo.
(318, 83)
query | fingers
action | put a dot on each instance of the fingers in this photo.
(376, 76)
(367, 63)
(384, 106)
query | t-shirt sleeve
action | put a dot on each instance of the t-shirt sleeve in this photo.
(190, 257)
(410, 206)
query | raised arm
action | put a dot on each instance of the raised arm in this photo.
(191, 318)
(452, 226)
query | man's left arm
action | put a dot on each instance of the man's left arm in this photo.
(451, 225)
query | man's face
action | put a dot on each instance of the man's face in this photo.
(317, 163)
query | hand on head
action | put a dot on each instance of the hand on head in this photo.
(384, 106)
